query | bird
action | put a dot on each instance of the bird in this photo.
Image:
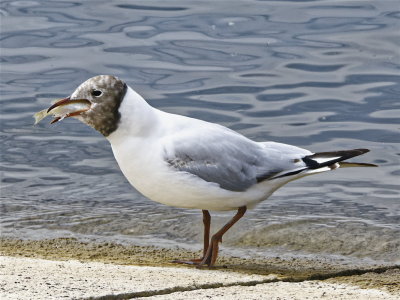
(190, 163)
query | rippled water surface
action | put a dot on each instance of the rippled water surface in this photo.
(318, 74)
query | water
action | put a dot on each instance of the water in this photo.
(323, 75)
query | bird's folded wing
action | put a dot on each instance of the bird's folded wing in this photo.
(230, 160)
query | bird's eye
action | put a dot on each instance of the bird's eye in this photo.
(97, 93)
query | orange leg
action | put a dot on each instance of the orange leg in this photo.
(210, 250)
(207, 224)
(212, 253)
(206, 242)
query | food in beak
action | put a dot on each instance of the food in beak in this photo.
(63, 108)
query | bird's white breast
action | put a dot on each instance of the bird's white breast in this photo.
(143, 165)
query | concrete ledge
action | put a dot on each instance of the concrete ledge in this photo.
(32, 278)
(315, 290)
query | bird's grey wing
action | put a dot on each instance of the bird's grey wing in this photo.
(232, 161)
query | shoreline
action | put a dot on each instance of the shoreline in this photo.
(384, 278)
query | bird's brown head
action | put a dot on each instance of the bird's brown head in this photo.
(103, 94)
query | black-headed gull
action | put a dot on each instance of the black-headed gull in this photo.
(189, 163)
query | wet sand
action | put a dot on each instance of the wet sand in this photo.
(385, 278)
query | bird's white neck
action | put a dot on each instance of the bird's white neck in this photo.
(138, 118)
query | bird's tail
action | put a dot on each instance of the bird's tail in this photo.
(325, 161)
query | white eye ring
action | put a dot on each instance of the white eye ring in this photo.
(97, 93)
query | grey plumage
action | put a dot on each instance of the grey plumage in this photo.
(232, 161)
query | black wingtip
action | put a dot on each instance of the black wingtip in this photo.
(311, 161)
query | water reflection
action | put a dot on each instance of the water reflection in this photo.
(315, 74)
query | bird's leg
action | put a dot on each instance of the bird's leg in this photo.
(206, 242)
(207, 224)
(212, 252)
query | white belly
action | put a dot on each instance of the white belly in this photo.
(146, 170)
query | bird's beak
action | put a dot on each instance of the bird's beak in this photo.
(59, 103)
(68, 107)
